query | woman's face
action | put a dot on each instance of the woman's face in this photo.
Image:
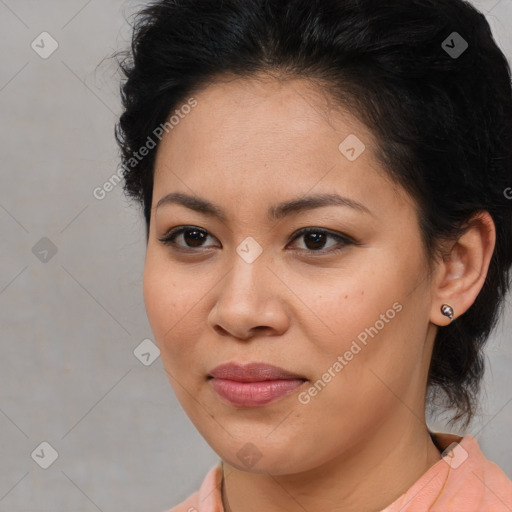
(350, 318)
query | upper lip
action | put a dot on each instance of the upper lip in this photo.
(252, 372)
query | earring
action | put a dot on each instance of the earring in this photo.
(447, 310)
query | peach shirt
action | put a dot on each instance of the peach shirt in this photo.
(464, 480)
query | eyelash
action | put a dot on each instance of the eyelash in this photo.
(169, 237)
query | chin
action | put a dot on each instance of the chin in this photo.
(261, 455)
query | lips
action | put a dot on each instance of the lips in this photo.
(253, 384)
(252, 372)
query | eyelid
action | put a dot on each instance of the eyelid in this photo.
(342, 239)
(178, 230)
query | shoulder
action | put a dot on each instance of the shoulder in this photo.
(463, 480)
(208, 498)
(188, 505)
(474, 480)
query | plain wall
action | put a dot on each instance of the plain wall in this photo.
(69, 326)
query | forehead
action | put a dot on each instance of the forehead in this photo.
(285, 106)
(264, 136)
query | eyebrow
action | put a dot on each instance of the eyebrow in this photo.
(275, 212)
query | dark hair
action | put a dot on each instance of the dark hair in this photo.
(442, 121)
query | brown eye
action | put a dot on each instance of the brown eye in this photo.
(192, 236)
(315, 240)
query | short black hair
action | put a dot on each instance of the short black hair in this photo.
(441, 114)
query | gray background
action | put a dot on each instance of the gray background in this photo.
(69, 326)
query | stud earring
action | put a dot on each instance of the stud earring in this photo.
(447, 310)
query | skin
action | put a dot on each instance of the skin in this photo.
(362, 441)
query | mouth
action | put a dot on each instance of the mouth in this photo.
(253, 384)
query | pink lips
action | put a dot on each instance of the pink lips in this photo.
(254, 384)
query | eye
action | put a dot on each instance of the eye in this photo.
(193, 236)
(315, 240)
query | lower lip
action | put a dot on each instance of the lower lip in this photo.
(254, 394)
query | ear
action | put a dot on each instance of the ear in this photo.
(461, 273)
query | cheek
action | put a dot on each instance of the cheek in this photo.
(372, 320)
(173, 313)
(382, 356)
(334, 310)
(170, 305)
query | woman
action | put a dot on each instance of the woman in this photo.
(324, 185)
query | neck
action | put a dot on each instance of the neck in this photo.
(369, 476)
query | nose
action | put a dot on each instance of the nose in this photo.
(251, 300)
